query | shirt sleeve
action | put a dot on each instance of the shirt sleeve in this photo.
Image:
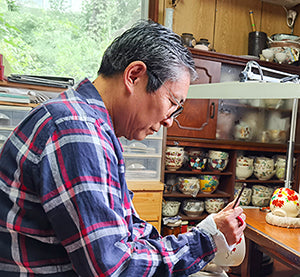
(91, 211)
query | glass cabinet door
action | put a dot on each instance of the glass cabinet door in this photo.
(254, 120)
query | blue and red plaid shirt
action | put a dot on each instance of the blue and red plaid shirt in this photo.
(65, 209)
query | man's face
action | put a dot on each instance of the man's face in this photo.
(154, 109)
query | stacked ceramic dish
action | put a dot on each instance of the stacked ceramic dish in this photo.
(244, 167)
(245, 199)
(280, 167)
(264, 168)
(261, 195)
(174, 158)
(217, 160)
(197, 159)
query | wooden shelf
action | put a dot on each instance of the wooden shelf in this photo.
(217, 193)
(229, 144)
(191, 172)
(5, 83)
(256, 181)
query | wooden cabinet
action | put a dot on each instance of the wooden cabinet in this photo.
(147, 200)
(216, 67)
(199, 117)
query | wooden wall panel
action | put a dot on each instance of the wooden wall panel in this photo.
(226, 23)
(194, 16)
(274, 20)
(233, 25)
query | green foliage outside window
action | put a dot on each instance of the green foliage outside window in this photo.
(58, 40)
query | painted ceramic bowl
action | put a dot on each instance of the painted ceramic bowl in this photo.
(208, 183)
(243, 172)
(264, 163)
(262, 191)
(197, 163)
(264, 175)
(196, 152)
(244, 161)
(217, 164)
(246, 195)
(170, 208)
(214, 205)
(285, 202)
(258, 201)
(214, 154)
(193, 208)
(174, 158)
(189, 185)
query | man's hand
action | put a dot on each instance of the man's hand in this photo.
(231, 222)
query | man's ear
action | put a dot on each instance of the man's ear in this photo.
(134, 73)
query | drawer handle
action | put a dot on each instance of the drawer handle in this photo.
(212, 110)
(3, 116)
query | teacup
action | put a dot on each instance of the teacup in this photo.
(208, 183)
(214, 154)
(243, 131)
(244, 161)
(189, 185)
(246, 195)
(231, 258)
(217, 164)
(285, 202)
(243, 172)
(170, 208)
(174, 158)
(213, 205)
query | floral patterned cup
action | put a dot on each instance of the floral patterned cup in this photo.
(174, 158)
(213, 205)
(285, 202)
(208, 183)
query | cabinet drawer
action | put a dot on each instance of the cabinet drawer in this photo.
(10, 116)
(139, 167)
(148, 205)
(4, 134)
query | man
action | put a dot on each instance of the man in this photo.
(65, 209)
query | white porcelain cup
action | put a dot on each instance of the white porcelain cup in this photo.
(231, 258)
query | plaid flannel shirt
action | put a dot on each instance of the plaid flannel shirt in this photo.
(65, 209)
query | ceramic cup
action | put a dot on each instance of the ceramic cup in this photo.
(193, 208)
(285, 202)
(243, 172)
(208, 183)
(231, 258)
(214, 205)
(170, 208)
(174, 158)
(189, 185)
(246, 194)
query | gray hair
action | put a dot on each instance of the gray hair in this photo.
(158, 47)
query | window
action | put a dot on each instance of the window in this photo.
(63, 37)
